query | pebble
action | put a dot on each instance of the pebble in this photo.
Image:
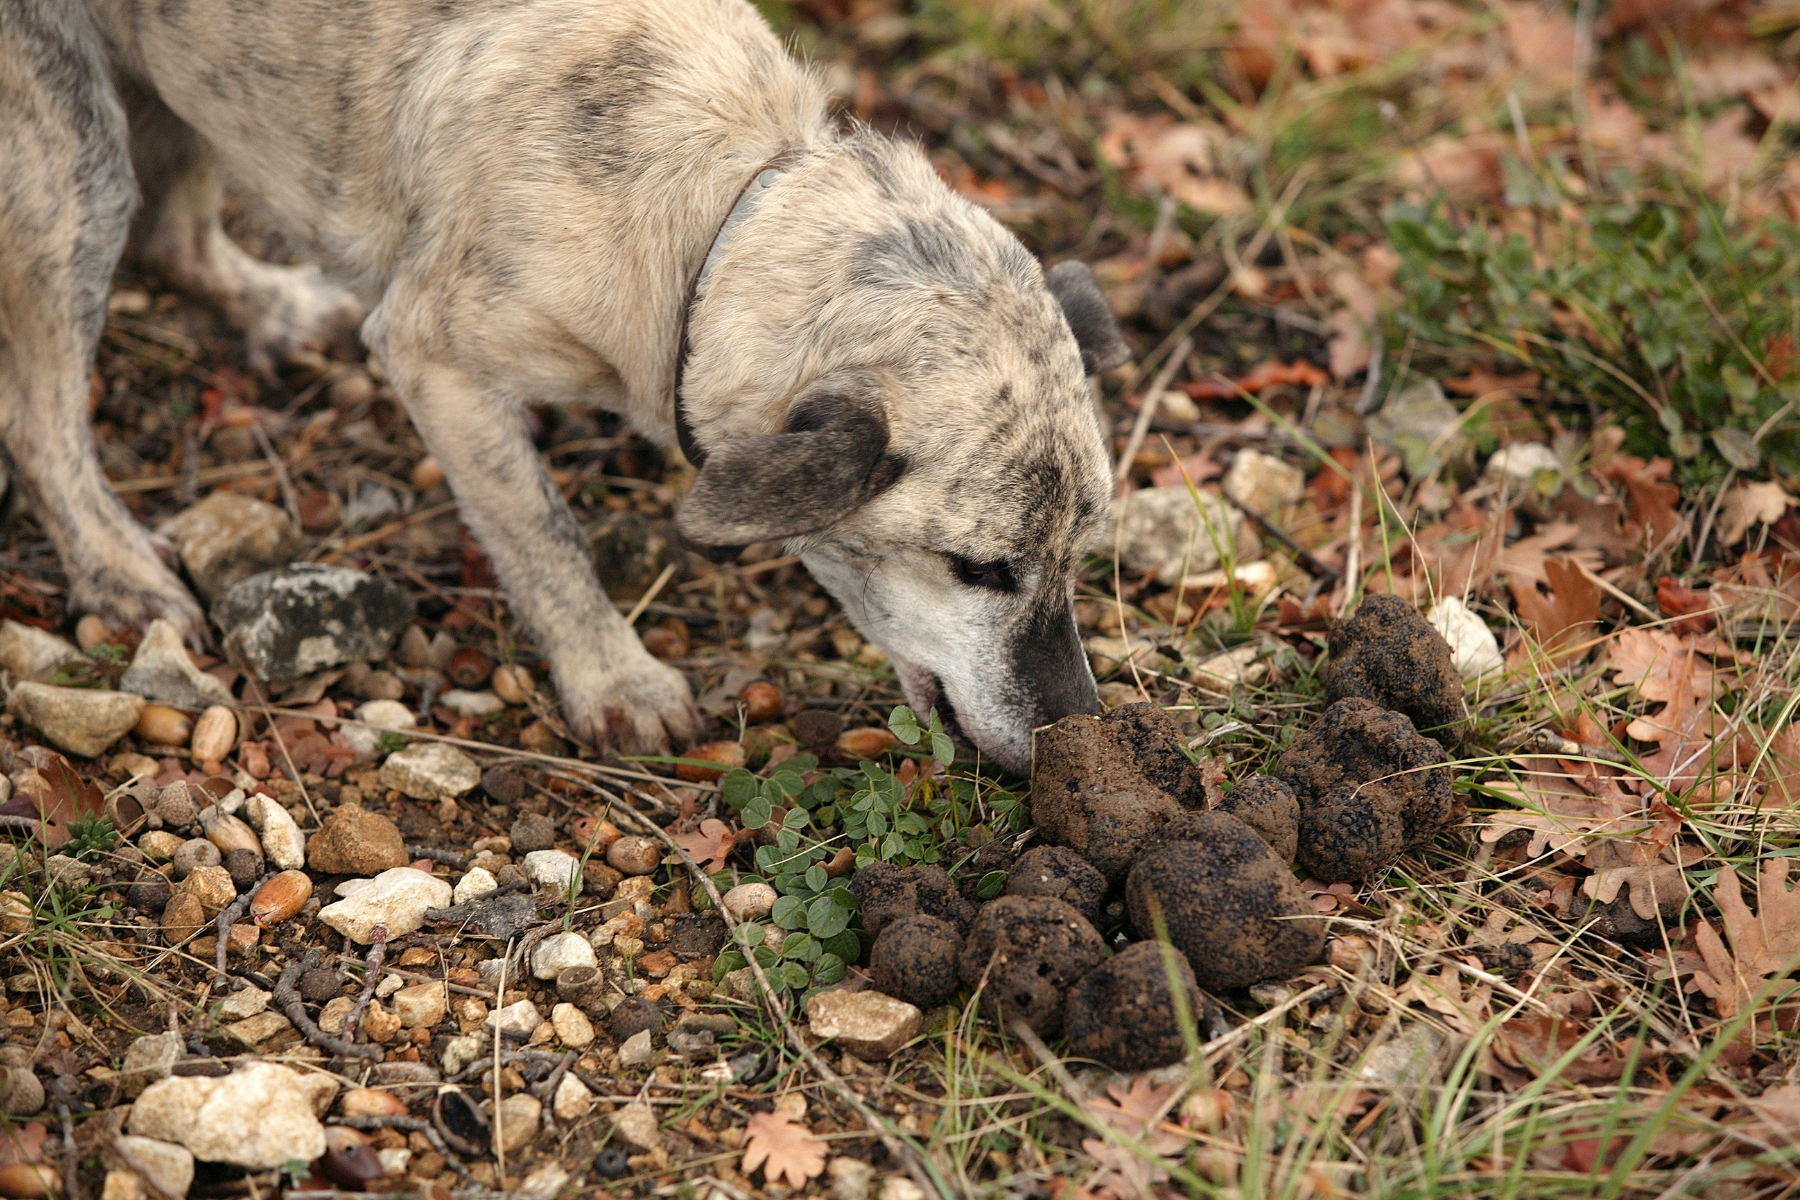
(193, 854)
(636, 1050)
(303, 618)
(240, 1006)
(371, 1102)
(25, 650)
(550, 868)
(396, 898)
(381, 1025)
(634, 855)
(159, 845)
(356, 841)
(148, 1059)
(80, 720)
(389, 715)
(21, 1091)
(1516, 466)
(70, 874)
(870, 1025)
(477, 883)
(460, 1052)
(212, 886)
(430, 771)
(1161, 530)
(553, 954)
(260, 1116)
(282, 842)
(334, 1013)
(573, 1029)
(636, 1124)
(162, 669)
(422, 1005)
(520, 1017)
(750, 901)
(229, 536)
(167, 1167)
(573, 1100)
(267, 1032)
(513, 683)
(150, 893)
(518, 1120)
(850, 1177)
(533, 831)
(471, 704)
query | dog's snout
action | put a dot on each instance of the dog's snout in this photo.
(1051, 667)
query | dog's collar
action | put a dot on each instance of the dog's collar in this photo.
(748, 198)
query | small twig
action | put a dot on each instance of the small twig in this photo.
(637, 610)
(1622, 597)
(222, 929)
(372, 975)
(288, 1000)
(1152, 399)
(448, 857)
(743, 572)
(281, 476)
(1314, 567)
(499, 1085)
(377, 536)
(546, 1090)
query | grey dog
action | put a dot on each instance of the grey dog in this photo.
(636, 204)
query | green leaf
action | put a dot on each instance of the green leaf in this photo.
(846, 946)
(905, 725)
(795, 975)
(991, 885)
(816, 878)
(738, 787)
(757, 813)
(802, 947)
(1737, 448)
(726, 963)
(797, 818)
(749, 934)
(826, 918)
(828, 969)
(789, 912)
(892, 846)
(942, 748)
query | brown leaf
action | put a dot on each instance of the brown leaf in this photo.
(50, 789)
(1569, 807)
(1537, 1043)
(1750, 504)
(1566, 615)
(1651, 500)
(1762, 943)
(710, 845)
(1676, 599)
(782, 1148)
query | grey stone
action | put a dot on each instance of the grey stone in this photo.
(168, 1168)
(26, 650)
(149, 1059)
(430, 771)
(260, 1116)
(162, 670)
(80, 720)
(290, 622)
(1167, 531)
(397, 898)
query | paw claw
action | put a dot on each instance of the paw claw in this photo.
(644, 707)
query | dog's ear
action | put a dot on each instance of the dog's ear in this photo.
(832, 460)
(1089, 316)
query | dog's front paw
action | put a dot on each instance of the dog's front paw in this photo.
(134, 588)
(638, 707)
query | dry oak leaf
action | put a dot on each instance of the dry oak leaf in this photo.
(1763, 943)
(1562, 619)
(1462, 1001)
(1750, 504)
(710, 845)
(783, 1148)
(1182, 160)
(1670, 669)
(1535, 1044)
(1569, 807)
(1138, 1114)
(1651, 499)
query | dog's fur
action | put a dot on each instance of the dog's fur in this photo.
(518, 195)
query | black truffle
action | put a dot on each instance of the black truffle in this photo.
(915, 959)
(1123, 1012)
(1024, 952)
(1386, 652)
(1268, 806)
(1060, 872)
(886, 893)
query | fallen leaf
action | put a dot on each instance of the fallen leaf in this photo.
(1676, 599)
(1179, 159)
(1482, 382)
(1535, 1044)
(1750, 504)
(783, 1148)
(1762, 943)
(1568, 807)
(710, 845)
(1651, 499)
(1566, 615)
(1459, 999)
(52, 790)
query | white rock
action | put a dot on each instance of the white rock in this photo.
(282, 842)
(899, 1187)
(260, 1116)
(1472, 643)
(229, 536)
(868, 1024)
(544, 1183)
(1263, 483)
(563, 950)
(166, 1166)
(850, 1177)
(242, 1005)
(163, 670)
(551, 868)
(573, 1100)
(80, 720)
(636, 1050)
(388, 986)
(1516, 465)
(430, 771)
(390, 715)
(636, 1123)
(459, 1052)
(1166, 531)
(1222, 672)
(320, 1088)
(394, 1160)
(422, 1004)
(149, 1059)
(518, 1120)
(749, 901)
(471, 704)
(397, 898)
(520, 1017)
(573, 1029)
(26, 650)
(479, 881)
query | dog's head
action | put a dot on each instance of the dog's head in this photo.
(886, 380)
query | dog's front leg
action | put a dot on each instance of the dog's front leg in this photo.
(613, 692)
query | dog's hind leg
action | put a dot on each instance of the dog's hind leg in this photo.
(177, 234)
(66, 196)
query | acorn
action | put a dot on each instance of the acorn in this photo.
(92, 631)
(513, 683)
(726, 754)
(215, 734)
(470, 668)
(426, 474)
(29, 1181)
(634, 855)
(229, 833)
(869, 742)
(371, 1102)
(21, 1093)
(281, 898)
(761, 700)
(164, 725)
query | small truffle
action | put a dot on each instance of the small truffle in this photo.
(1370, 788)
(1386, 652)
(1225, 901)
(915, 959)
(1123, 1012)
(1024, 952)
(886, 893)
(1060, 872)
(634, 1015)
(1268, 806)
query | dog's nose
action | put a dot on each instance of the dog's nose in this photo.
(1051, 666)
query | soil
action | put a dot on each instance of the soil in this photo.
(887, 893)
(1371, 787)
(1268, 806)
(1226, 901)
(1123, 1012)
(1024, 952)
(915, 959)
(1386, 652)
(1060, 872)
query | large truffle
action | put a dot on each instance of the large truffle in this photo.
(1225, 901)
(1386, 652)
(1024, 952)
(915, 959)
(886, 893)
(1060, 872)
(1123, 1012)
(1090, 791)
(1370, 787)
(1270, 807)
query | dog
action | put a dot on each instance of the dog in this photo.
(641, 205)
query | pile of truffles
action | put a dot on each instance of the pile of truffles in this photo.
(1210, 895)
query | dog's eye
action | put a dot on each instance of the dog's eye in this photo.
(994, 576)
